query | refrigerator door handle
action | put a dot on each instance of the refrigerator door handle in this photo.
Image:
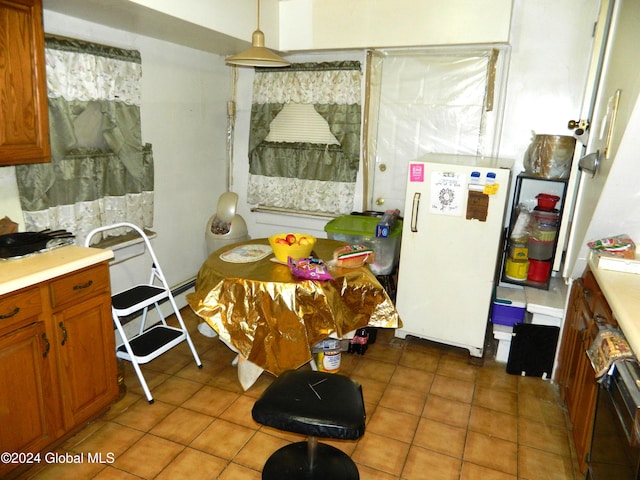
(414, 212)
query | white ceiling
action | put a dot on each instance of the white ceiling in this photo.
(133, 17)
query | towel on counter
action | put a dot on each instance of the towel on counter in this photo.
(608, 347)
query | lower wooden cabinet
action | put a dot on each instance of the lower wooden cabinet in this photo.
(587, 308)
(57, 359)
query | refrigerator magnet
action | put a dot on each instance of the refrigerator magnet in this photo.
(416, 172)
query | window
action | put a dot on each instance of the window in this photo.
(304, 140)
(100, 171)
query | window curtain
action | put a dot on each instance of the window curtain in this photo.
(302, 175)
(100, 172)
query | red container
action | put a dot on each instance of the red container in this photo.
(539, 270)
(547, 201)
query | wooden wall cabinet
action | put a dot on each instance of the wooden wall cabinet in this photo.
(57, 359)
(24, 117)
(587, 309)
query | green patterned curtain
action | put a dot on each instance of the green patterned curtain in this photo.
(100, 172)
(310, 176)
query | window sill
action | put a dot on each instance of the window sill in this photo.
(125, 246)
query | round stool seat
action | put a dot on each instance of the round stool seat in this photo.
(291, 462)
(317, 404)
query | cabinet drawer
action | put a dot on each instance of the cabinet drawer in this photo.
(79, 285)
(18, 307)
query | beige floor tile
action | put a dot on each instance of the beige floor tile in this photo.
(500, 400)
(491, 422)
(223, 439)
(403, 399)
(193, 464)
(493, 375)
(111, 473)
(452, 388)
(148, 457)
(534, 464)
(412, 378)
(421, 360)
(431, 414)
(471, 471)
(182, 425)
(375, 370)
(440, 437)
(210, 400)
(448, 411)
(368, 473)
(258, 450)
(372, 390)
(381, 453)
(111, 438)
(422, 463)
(240, 412)
(393, 424)
(239, 472)
(543, 437)
(457, 367)
(144, 416)
(175, 390)
(491, 452)
(547, 411)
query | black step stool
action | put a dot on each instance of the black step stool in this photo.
(316, 404)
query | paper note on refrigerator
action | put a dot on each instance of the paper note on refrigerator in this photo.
(446, 193)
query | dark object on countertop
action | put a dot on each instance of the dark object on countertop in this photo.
(317, 404)
(23, 243)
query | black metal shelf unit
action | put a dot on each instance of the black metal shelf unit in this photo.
(527, 187)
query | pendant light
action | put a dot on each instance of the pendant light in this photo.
(257, 55)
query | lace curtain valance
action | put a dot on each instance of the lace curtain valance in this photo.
(305, 175)
(100, 171)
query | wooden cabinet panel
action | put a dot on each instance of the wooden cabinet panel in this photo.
(87, 366)
(19, 308)
(29, 419)
(24, 118)
(587, 310)
(57, 359)
(77, 286)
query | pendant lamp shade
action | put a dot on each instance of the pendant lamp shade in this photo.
(257, 55)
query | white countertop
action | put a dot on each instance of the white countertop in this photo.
(23, 272)
(622, 291)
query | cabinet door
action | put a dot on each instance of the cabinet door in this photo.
(24, 118)
(584, 405)
(566, 355)
(86, 358)
(27, 411)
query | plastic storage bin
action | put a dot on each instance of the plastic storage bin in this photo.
(509, 306)
(361, 229)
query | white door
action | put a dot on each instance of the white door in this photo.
(608, 101)
(433, 100)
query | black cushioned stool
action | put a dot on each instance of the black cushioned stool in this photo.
(316, 404)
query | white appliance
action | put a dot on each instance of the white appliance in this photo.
(454, 219)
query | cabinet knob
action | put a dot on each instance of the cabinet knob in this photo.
(64, 333)
(47, 345)
(10, 314)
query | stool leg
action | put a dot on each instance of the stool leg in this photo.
(312, 451)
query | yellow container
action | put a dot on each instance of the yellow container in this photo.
(516, 269)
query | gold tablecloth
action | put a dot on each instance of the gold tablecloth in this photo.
(273, 319)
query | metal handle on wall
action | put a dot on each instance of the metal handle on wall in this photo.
(414, 212)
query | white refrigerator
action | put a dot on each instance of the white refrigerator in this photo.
(454, 222)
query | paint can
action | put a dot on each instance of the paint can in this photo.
(516, 269)
(328, 355)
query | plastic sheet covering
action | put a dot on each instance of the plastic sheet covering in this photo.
(273, 320)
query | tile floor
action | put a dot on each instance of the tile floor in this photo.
(430, 415)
